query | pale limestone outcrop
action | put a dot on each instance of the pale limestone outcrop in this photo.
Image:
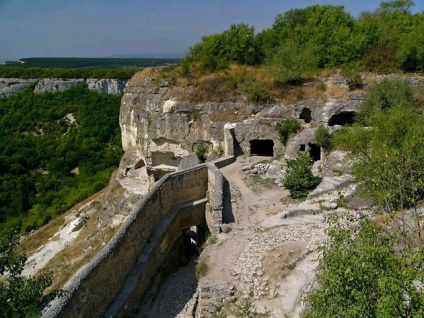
(11, 86)
(108, 86)
(159, 129)
(52, 85)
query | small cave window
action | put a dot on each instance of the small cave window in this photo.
(314, 152)
(262, 147)
(302, 147)
(306, 115)
(342, 119)
(139, 164)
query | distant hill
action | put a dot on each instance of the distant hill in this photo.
(80, 62)
(152, 55)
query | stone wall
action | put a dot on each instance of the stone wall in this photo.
(98, 284)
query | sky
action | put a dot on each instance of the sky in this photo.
(104, 28)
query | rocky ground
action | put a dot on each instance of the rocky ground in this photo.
(267, 256)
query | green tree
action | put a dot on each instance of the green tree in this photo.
(20, 296)
(411, 48)
(215, 52)
(39, 148)
(383, 96)
(383, 31)
(299, 179)
(397, 5)
(388, 154)
(326, 28)
(291, 61)
(364, 273)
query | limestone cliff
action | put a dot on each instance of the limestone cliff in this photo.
(11, 86)
(159, 127)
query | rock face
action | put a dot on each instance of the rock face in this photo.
(52, 85)
(159, 129)
(108, 86)
(11, 86)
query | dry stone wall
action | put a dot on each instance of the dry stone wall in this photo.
(97, 284)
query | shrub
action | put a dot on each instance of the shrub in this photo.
(367, 271)
(299, 179)
(201, 151)
(20, 296)
(352, 76)
(286, 128)
(354, 81)
(201, 267)
(256, 91)
(291, 61)
(323, 138)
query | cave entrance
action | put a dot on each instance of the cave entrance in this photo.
(190, 242)
(139, 164)
(314, 152)
(342, 119)
(262, 147)
(306, 115)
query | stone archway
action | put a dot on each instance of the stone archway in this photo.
(262, 147)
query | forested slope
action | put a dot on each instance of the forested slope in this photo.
(43, 139)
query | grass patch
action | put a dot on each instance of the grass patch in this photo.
(210, 241)
(33, 241)
(82, 250)
(202, 266)
(281, 260)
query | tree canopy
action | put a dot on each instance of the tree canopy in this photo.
(373, 267)
(385, 40)
(43, 138)
(20, 296)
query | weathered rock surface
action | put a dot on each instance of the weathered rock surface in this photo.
(52, 85)
(11, 86)
(159, 129)
(108, 86)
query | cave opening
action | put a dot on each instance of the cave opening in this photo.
(342, 119)
(139, 164)
(262, 147)
(190, 242)
(306, 115)
(314, 152)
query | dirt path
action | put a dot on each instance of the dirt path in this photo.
(266, 258)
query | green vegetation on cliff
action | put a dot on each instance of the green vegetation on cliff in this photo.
(20, 296)
(302, 40)
(41, 146)
(374, 268)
